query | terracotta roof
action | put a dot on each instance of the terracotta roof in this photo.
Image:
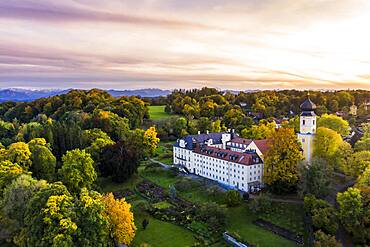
(240, 140)
(228, 155)
(263, 145)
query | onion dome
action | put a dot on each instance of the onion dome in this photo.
(308, 105)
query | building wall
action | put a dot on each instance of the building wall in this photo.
(225, 172)
(306, 141)
(307, 124)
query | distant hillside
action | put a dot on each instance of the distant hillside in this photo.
(25, 95)
(149, 92)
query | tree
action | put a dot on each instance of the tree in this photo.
(261, 204)
(325, 219)
(151, 140)
(172, 191)
(233, 198)
(20, 153)
(48, 218)
(315, 178)
(8, 172)
(121, 219)
(335, 123)
(325, 240)
(43, 160)
(281, 161)
(357, 163)
(326, 144)
(323, 214)
(122, 159)
(364, 143)
(92, 224)
(363, 181)
(353, 214)
(77, 170)
(261, 131)
(13, 205)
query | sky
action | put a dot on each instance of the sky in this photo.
(233, 44)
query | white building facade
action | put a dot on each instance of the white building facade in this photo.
(221, 157)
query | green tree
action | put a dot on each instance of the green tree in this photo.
(353, 214)
(77, 170)
(48, 218)
(13, 205)
(357, 163)
(261, 204)
(8, 172)
(315, 178)
(363, 181)
(233, 198)
(258, 132)
(43, 160)
(281, 161)
(326, 144)
(325, 240)
(335, 123)
(93, 226)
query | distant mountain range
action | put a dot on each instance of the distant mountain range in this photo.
(25, 95)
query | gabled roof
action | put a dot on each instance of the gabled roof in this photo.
(228, 155)
(263, 145)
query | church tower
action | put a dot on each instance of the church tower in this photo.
(307, 127)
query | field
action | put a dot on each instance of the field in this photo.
(158, 113)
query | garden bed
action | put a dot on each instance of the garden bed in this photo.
(298, 239)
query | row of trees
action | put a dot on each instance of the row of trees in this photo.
(235, 109)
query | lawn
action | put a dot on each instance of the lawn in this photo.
(286, 215)
(158, 113)
(239, 219)
(161, 234)
(240, 222)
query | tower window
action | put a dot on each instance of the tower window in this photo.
(303, 122)
(313, 121)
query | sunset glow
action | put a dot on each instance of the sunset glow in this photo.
(234, 44)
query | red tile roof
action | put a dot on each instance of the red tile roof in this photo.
(241, 158)
(263, 145)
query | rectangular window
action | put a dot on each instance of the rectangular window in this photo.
(303, 122)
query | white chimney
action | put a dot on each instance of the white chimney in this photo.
(198, 132)
(207, 132)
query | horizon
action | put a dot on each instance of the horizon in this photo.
(233, 45)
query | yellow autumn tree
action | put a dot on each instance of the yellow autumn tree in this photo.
(120, 218)
(281, 160)
(151, 140)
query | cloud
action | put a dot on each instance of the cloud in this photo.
(61, 14)
(171, 43)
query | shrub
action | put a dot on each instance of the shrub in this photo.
(262, 203)
(233, 198)
(324, 240)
